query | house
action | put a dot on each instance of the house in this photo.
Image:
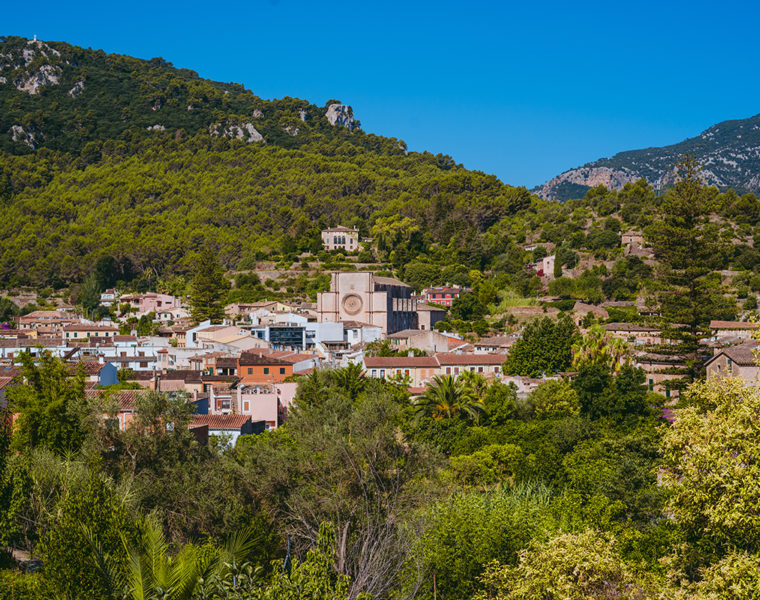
(214, 363)
(227, 427)
(52, 320)
(496, 343)
(366, 297)
(632, 241)
(419, 369)
(488, 365)
(150, 302)
(184, 380)
(124, 404)
(740, 329)
(98, 373)
(170, 315)
(545, 267)
(340, 238)
(658, 371)
(109, 297)
(83, 331)
(443, 295)
(428, 316)
(261, 368)
(430, 341)
(265, 402)
(736, 361)
(635, 333)
(355, 332)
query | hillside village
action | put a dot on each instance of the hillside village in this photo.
(241, 374)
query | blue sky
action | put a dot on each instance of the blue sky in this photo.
(522, 90)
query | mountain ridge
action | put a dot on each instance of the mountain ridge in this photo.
(729, 152)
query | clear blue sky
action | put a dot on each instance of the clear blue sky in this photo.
(524, 90)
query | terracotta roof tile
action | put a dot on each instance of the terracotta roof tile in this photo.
(254, 358)
(400, 362)
(733, 325)
(220, 421)
(470, 359)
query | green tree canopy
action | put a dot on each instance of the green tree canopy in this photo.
(544, 347)
(209, 288)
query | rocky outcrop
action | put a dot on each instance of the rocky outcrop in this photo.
(292, 131)
(340, 114)
(245, 131)
(25, 136)
(156, 127)
(77, 89)
(257, 114)
(588, 177)
(32, 82)
(302, 114)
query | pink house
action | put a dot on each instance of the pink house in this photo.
(267, 402)
(151, 302)
(123, 402)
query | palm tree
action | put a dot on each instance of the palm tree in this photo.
(446, 398)
(154, 573)
(599, 347)
(351, 379)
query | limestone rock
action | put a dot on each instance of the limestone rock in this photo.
(77, 89)
(238, 132)
(340, 114)
(45, 75)
(19, 134)
(156, 127)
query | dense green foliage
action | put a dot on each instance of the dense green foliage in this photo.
(544, 348)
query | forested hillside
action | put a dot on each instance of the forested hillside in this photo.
(145, 163)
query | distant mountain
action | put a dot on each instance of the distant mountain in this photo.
(729, 151)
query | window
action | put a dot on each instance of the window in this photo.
(250, 371)
(480, 369)
(382, 372)
(266, 370)
(496, 369)
(282, 370)
(448, 370)
(245, 406)
(374, 372)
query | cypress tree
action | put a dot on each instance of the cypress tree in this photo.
(689, 248)
(209, 288)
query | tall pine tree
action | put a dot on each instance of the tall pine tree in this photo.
(209, 288)
(689, 249)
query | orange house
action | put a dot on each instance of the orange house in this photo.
(261, 368)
